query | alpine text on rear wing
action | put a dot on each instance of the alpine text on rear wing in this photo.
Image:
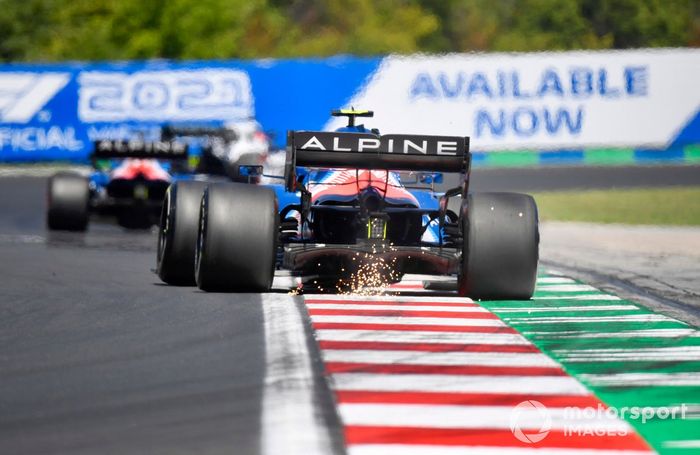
(169, 150)
(369, 151)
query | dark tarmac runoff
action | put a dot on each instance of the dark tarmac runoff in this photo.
(97, 356)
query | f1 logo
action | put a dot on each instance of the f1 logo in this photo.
(22, 95)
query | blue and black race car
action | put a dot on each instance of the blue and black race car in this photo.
(129, 180)
(350, 199)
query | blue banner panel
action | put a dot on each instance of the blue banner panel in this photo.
(55, 112)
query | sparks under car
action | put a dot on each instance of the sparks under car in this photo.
(346, 201)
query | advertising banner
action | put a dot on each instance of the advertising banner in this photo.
(640, 99)
(56, 112)
(540, 101)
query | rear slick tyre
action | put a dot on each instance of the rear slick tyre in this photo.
(500, 247)
(177, 233)
(68, 202)
(237, 239)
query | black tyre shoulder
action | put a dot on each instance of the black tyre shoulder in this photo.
(68, 202)
(501, 246)
(177, 233)
(237, 243)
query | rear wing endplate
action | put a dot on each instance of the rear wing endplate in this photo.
(400, 152)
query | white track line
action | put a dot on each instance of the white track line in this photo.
(543, 385)
(682, 444)
(285, 282)
(624, 318)
(625, 351)
(642, 358)
(408, 449)
(290, 421)
(555, 280)
(390, 299)
(672, 354)
(566, 288)
(544, 309)
(643, 379)
(396, 307)
(409, 320)
(35, 170)
(578, 297)
(456, 416)
(439, 358)
(401, 336)
(646, 333)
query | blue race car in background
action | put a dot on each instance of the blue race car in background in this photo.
(345, 207)
(129, 180)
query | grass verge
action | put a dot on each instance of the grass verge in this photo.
(670, 206)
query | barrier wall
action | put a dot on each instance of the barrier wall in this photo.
(593, 107)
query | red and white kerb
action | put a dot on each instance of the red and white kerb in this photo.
(442, 375)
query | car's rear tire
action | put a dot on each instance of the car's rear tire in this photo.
(500, 247)
(68, 202)
(237, 239)
(177, 233)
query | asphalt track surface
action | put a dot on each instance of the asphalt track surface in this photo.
(97, 356)
(584, 177)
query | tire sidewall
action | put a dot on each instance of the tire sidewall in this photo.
(500, 249)
(68, 202)
(177, 233)
(237, 243)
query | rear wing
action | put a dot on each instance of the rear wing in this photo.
(400, 152)
(167, 150)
